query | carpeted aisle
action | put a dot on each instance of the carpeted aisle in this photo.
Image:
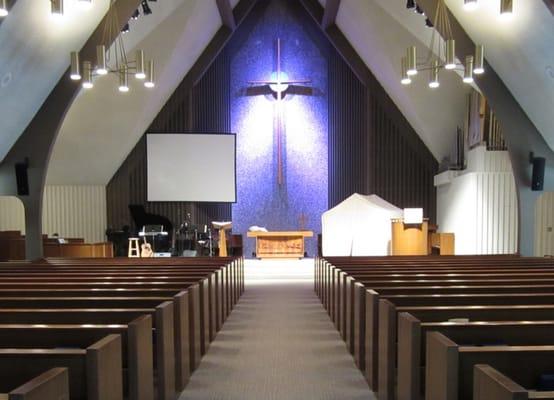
(278, 344)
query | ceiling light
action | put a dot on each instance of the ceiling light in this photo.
(87, 75)
(410, 4)
(405, 78)
(479, 60)
(101, 67)
(450, 57)
(146, 8)
(85, 4)
(139, 72)
(471, 5)
(149, 83)
(419, 10)
(411, 61)
(123, 79)
(428, 23)
(74, 73)
(136, 14)
(506, 9)
(56, 8)
(125, 28)
(3, 8)
(468, 70)
(434, 81)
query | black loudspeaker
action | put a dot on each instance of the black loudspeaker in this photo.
(21, 178)
(537, 181)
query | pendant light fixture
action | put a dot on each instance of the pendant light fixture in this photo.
(3, 8)
(56, 8)
(111, 57)
(442, 52)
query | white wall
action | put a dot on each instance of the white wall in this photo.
(479, 204)
(76, 211)
(544, 223)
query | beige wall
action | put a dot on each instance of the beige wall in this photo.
(544, 223)
(69, 210)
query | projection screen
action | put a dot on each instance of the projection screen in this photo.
(191, 167)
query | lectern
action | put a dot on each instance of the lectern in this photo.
(409, 239)
(222, 227)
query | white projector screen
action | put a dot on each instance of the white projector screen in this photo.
(191, 167)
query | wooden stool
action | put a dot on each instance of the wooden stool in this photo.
(134, 248)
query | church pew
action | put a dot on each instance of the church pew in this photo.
(489, 384)
(136, 344)
(449, 366)
(412, 333)
(52, 384)
(95, 373)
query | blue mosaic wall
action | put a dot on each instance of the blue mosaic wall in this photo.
(261, 200)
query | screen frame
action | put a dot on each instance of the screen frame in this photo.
(234, 135)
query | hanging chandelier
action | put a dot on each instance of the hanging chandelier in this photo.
(441, 55)
(111, 57)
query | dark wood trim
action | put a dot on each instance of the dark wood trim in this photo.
(330, 13)
(226, 13)
(339, 41)
(550, 5)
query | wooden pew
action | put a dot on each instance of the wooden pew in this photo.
(412, 332)
(449, 366)
(95, 373)
(50, 385)
(489, 384)
(136, 345)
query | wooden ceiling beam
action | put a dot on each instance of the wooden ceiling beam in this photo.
(226, 12)
(330, 13)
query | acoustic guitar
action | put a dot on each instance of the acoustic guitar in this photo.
(146, 249)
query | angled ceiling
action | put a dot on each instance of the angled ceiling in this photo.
(105, 125)
(34, 53)
(521, 51)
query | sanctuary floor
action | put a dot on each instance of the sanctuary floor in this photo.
(278, 344)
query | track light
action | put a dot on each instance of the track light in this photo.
(410, 4)
(123, 79)
(450, 54)
(101, 67)
(419, 10)
(125, 28)
(56, 8)
(75, 73)
(139, 73)
(3, 8)
(405, 80)
(506, 9)
(136, 14)
(146, 10)
(471, 5)
(87, 75)
(428, 23)
(468, 70)
(149, 83)
(479, 60)
(411, 61)
(434, 80)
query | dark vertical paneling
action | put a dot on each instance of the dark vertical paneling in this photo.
(372, 147)
(205, 108)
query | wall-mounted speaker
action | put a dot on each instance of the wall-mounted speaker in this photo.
(21, 178)
(537, 180)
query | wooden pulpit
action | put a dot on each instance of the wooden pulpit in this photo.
(222, 227)
(409, 239)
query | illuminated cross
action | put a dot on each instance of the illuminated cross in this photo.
(278, 84)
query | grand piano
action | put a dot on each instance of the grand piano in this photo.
(141, 218)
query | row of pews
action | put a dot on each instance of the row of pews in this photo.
(110, 329)
(445, 328)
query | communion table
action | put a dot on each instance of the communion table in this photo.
(287, 244)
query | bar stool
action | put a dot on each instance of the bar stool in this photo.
(134, 248)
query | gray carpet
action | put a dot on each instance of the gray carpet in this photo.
(278, 344)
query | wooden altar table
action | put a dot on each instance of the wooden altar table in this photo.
(287, 244)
